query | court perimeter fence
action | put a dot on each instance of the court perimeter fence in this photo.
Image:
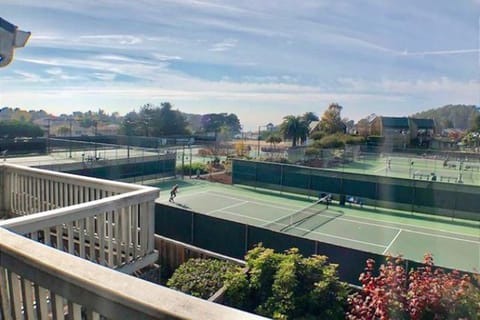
(234, 239)
(432, 197)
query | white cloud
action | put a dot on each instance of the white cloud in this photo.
(108, 39)
(31, 77)
(54, 71)
(225, 45)
(105, 76)
(163, 57)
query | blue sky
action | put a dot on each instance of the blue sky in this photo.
(260, 59)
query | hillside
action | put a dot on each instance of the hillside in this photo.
(457, 116)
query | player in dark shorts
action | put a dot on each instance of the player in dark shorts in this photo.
(173, 193)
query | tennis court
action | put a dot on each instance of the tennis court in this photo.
(87, 156)
(454, 243)
(452, 170)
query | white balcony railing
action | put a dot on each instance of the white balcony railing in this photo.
(66, 235)
(107, 222)
(39, 282)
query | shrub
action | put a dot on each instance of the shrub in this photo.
(349, 139)
(317, 135)
(425, 293)
(333, 141)
(312, 151)
(204, 152)
(287, 286)
(196, 165)
(200, 277)
(375, 140)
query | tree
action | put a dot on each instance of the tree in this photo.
(475, 123)
(363, 127)
(241, 148)
(309, 117)
(14, 128)
(294, 128)
(471, 139)
(155, 121)
(331, 121)
(214, 122)
(165, 121)
(129, 124)
(273, 139)
(63, 131)
(450, 116)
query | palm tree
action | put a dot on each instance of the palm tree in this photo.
(273, 139)
(309, 117)
(295, 128)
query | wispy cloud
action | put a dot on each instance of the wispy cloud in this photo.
(163, 57)
(439, 52)
(31, 77)
(225, 45)
(108, 39)
(54, 71)
(105, 76)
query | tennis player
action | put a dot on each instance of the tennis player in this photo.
(173, 193)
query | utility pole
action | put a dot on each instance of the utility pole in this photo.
(183, 162)
(128, 147)
(48, 135)
(70, 142)
(95, 139)
(258, 143)
(190, 146)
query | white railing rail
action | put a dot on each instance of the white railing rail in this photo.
(2, 186)
(107, 222)
(39, 282)
(30, 190)
(111, 231)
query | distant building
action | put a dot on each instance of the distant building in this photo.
(423, 131)
(402, 132)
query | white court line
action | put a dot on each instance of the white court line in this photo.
(183, 196)
(379, 226)
(263, 203)
(391, 242)
(446, 237)
(367, 223)
(244, 216)
(227, 207)
(342, 238)
(380, 169)
(314, 232)
(345, 219)
(412, 231)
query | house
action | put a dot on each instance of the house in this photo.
(403, 132)
(422, 131)
(395, 130)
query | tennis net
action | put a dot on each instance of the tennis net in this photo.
(300, 216)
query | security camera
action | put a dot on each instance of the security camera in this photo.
(10, 38)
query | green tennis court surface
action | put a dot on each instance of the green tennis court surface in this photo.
(454, 243)
(450, 170)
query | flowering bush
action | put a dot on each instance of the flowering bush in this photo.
(424, 293)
